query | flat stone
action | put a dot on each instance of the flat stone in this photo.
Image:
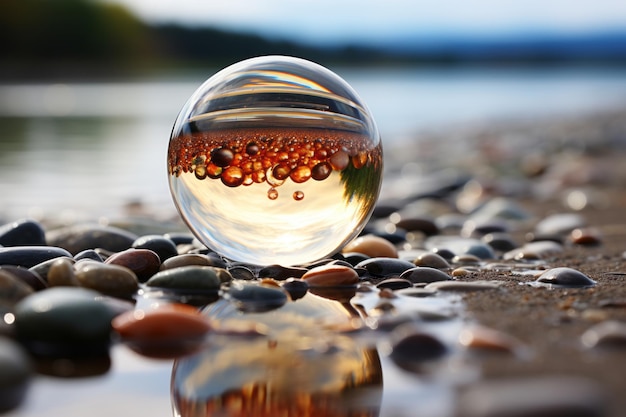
(22, 233)
(463, 285)
(372, 246)
(394, 284)
(78, 238)
(113, 280)
(565, 278)
(64, 321)
(29, 256)
(143, 262)
(331, 275)
(187, 259)
(560, 224)
(432, 260)
(423, 274)
(160, 245)
(385, 267)
(195, 278)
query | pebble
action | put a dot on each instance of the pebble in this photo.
(61, 273)
(411, 348)
(560, 224)
(565, 278)
(187, 259)
(64, 321)
(587, 236)
(297, 288)
(16, 371)
(281, 273)
(12, 289)
(160, 245)
(423, 274)
(88, 254)
(484, 338)
(466, 259)
(500, 208)
(385, 267)
(242, 273)
(480, 250)
(478, 229)
(432, 260)
(29, 256)
(372, 246)
(143, 262)
(113, 280)
(27, 276)
(463, 285)
(22, 233)
(331, 276)
(610, 333)
(256, 298)
(540, 249)
(76, 239)
(544, 396)
(194, 278)
(501, 242)
(394, 284)
(416, 224)
(168, 331)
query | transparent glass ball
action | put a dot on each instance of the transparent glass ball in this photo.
(275, 160)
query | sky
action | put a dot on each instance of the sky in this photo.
(327, 21)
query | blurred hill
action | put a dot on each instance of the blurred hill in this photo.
(81, 38)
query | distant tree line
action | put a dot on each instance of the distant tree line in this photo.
(81, 37)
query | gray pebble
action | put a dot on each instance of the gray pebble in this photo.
(29, 256)
(160, 245)
(385, 267)
(194, 278)
(22, 233)
(422, 274)
(564, 277)
(432, 260)
(256, 298)
(76, 239)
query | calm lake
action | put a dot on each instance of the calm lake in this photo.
(83, 150)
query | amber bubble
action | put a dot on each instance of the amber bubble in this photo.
(233, 176)
(281, 172)
(222, 157)
(252, 149)
(300, 174)
(200, 172)
(298, 195)
(359, 160)
(272, 194)
(213, 171)
(321, 171)
(339, 160)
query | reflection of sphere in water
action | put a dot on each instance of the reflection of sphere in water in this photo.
(295, 367)
(275, 160)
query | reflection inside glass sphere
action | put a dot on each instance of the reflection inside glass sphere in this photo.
(289, 361)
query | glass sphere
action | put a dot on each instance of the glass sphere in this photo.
(275, 160)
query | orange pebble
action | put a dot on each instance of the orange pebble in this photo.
(331, 275)
(372, 246)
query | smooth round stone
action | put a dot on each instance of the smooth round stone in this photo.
(113, 280)
(187, 259)
(12, 289)
(29, 256)
(297, 288)
(500, 208)
(27, 276)
(480, 250)
(180, 238)
(560, 224)
(411, 348)
(281, 273)
(541, 249)
(165, 332)
(394, 284)
(372, 246)
(256, 298)
(88, 254)
(64, 321)
(22, 233)
(61, 273)
(565, 277)
(473, 228)
(76, 239)
(463, 286)
(609, 334)
(501, 242)
(15, 373)
(587, 236)
(163, 247)
(417, 224)
(143, 262)
(385, 267)
(242, 273)
(423, 274)
(466, 259)
(544, 396)
(445, 253)
(331, 276)
(354, 258)
(432, 260)
(194, 278)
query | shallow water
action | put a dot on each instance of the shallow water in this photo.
(85, 150)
